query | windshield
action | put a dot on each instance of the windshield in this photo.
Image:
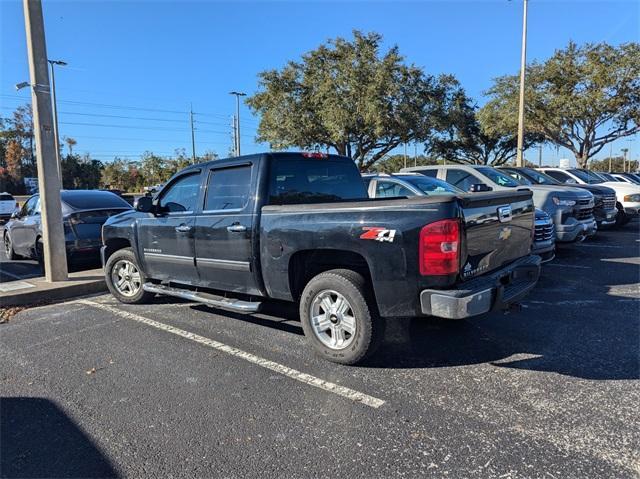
(607, 177)
(539, 178)
(499, 177)
(432, 186)
(586, 176)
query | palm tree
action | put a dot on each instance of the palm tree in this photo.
(70, 143)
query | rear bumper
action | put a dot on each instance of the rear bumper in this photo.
(490, 292)
(576, 230)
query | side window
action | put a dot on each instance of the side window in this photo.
(181, 195)
(432, 173)
(558, 175)
(29, 207)
(461, 179)
(228, 188)
(390, 189)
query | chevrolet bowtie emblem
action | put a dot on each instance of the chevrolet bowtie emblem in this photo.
(505, 234)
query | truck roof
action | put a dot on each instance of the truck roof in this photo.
(279, 154)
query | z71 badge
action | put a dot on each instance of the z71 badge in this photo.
(378, 234)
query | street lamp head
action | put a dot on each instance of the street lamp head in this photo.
(237, 93)
(21, 85)
(58, 62)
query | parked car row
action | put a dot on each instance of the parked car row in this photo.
(450, 241)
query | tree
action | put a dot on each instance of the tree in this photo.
(71, 142)
(617, 164)
(81, 172)
(476, 136)
(16, 134)
(348, 96)
(581, 98)
(393, 163)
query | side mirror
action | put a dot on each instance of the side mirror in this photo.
(479, 187)
(144, 204)
(15, 215)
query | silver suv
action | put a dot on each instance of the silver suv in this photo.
(571, 209)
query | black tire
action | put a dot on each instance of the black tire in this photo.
(39, 252)
(8, 248)
(621, 218)
(115, 260)
(369, 327)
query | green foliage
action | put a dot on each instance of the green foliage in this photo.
(80, 172)
(617, 164)
(582, 98)
(393, 163)
(471, 136)
(349, 96)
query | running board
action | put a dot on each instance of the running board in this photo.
(209, 299)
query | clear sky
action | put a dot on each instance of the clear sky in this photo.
(135, 67)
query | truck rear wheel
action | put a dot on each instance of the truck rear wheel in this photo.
(125, 278)
(339, 318)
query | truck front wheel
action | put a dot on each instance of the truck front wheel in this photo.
(125, 278)
(339, 317)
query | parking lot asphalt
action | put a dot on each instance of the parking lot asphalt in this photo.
(94, 388)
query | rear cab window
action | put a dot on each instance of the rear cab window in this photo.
(300, 180)
(93, 200)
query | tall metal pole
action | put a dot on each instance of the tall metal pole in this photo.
(610, 155)
(193, 137)
(55, 255)
(237, 94)
(540, 156)
(624, 160)
(415, 154)
(54, 106)
(523, 65)
(405, 155)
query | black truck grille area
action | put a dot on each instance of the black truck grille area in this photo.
(584, 214)
(584, 202)
(609, 202)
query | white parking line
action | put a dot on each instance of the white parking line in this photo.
(562, 265)
(587, 245)
(345, 392)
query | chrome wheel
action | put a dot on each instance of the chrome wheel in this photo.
(332, 319)
(126, 278)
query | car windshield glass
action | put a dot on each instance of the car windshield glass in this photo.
(301, 180)
(432, 186)
(539, 178)
(607, 177)
(91, 200)
(498, 177)
(586, 176)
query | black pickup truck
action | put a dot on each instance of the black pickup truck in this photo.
(300, 227)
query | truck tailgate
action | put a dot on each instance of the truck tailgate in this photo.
(498, 228)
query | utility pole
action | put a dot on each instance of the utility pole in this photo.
(415, 154)
(405, 155)
(49, 182)
(54, 105)
(523, 66)
(624, 160)
(234, 135)
(193, 136)
(237, 94)
(540, 156)
(610, 155)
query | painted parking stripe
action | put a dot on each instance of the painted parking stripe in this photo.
(345, 392)
(562, 265)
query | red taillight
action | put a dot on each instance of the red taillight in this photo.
(315, 154)
(440, 248)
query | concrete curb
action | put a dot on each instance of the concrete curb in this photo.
(37, 290)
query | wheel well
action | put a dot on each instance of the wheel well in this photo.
(113, 245)
(306, 264)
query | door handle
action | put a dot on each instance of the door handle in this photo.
(183, 228)
(236, 228)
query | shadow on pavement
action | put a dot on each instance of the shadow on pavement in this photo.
(38, 440)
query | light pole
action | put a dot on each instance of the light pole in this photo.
(523, 65)
(237, 94)
(54, 107)
(624, 160)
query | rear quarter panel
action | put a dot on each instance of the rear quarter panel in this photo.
(392, 258)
